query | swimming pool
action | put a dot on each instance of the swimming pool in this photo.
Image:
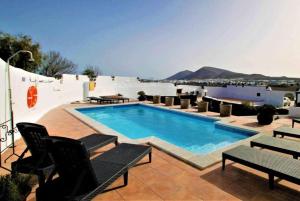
(196, 134)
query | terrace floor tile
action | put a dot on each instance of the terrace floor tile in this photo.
(167, 178)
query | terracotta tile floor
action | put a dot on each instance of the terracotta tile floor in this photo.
(167, 178)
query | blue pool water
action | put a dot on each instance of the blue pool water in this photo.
(196, 134)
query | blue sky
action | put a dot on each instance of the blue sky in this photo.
(156, 38)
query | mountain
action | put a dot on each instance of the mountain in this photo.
(180, 75)
(208, 72)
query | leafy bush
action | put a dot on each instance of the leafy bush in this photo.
(53, 63)
(10, 44)
(15, 188)
(265, 114)
(291, 96)
(92, 72)
(142, 95)
(247, 103)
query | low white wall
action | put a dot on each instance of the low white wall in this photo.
(238, 92)
(275, 98)
(294, 112)
(248, 93)
(50, 92)
(129, 87)
(53, 92)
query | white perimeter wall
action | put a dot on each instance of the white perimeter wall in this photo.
(248, 93)
(52, 93)
(129, 86)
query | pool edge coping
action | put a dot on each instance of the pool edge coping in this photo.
(196, 160)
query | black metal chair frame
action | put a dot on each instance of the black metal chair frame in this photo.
(72, 161)
(271, 173)
(39, 162)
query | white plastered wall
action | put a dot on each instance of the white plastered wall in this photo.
(53, 92)
(248, 93)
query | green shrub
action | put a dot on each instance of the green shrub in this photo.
(265, 114)
(15, 188)
(291, 96)
(142, 95)
(247, 103)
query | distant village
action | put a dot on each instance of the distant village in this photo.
(280, 85)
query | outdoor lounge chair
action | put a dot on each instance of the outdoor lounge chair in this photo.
(117, 98)
(274, 165)
(80, 178)
(101, 100)
(279, 145)
(295, 120)
(287, 131)
(39, 162)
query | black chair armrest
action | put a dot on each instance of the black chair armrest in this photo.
(23, 154)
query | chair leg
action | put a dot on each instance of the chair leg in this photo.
(125, 179)
(116, 143)
(223, 163)
(150, 157)
(13, 173)
(271, 181)
(41, 178)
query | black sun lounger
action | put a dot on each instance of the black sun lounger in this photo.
(101, 100)
(117, 98)
(279, 145)
(128, 154)
(80, 178)
(287, 131)
(273, 164)
(39, 162)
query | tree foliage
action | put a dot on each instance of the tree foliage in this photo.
(54, 64)
(10, 44)
(92, 71)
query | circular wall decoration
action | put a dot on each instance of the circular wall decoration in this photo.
(31, 96)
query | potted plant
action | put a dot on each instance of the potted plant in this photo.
(185, 103)
(202, 106)
(142, 96)
(225, 110)
(266, 114)
(15, 188)
(156, 99)
(169, 101)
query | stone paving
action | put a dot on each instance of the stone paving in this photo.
(167, 178)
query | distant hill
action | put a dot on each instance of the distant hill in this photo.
(208, 72)
(180, 75)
